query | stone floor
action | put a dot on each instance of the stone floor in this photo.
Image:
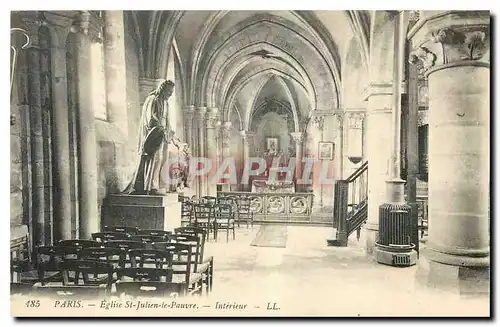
(308, 278)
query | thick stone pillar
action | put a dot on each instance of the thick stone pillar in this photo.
(36, 134)
(201, 140)
(89, 213)
(452, 48)
(60, 129)
(114, 63)
(378, 140)
(211, 148)
(298, 138)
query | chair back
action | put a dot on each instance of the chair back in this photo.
(150, 257)
(79, 243)
(145, 274)
(113, 256)
(106, 236)
(154, 232)
(150, 289)
(89, 271)
(149, 239)
(181, 259)
(121, 229)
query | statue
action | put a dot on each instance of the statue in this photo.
(179, 168)
(154, 133)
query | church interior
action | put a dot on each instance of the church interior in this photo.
(330, 162)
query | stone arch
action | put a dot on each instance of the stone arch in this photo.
(324, 43)
(132, 22)
(322, 81)
(210, 85)
(243, 82)
(289, 97)
(252, 66)
(160, 40)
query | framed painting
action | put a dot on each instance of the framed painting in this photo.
(326, 150)
(272, 144)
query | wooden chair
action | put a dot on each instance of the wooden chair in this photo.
(106, 236)
(204, 217)
(121, 229)
(112, 256)
(92, 273)
(196, 238)
(187, 213)
(124, 244)
(244, 211)
(149, 239)
(224, 220)
(46, 266)
(182, 265)
(207, 199)
(154, 232)
(150, 289)
(145, 274)
(150, 257)
(76, 292)
(79, 243)
(233, 202)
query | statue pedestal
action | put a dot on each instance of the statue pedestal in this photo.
(142, 211)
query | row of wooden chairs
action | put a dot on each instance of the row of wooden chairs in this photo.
(177, 258)
(240, 206)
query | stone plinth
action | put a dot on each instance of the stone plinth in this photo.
(142, 211)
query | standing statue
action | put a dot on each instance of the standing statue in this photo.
(154, 133)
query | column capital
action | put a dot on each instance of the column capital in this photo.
(212, 117)
(201, 113)
(444, 39)
(298, 137)
(89, 23)
(32, 22)
(355, 119)
(319, 122)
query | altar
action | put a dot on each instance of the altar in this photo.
(277, 207)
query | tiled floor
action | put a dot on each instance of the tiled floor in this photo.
(309, 278)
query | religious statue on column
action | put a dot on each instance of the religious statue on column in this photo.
(154, 133)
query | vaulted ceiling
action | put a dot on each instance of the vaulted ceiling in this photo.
(231, 59)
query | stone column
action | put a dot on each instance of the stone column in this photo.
(298, 138)
(116, 95)
(188, 122)
(114, 63)
(36, 122)
(354, 135)
(60, 129)
(226, 149)
(378, 138)
(201, 135)
(245, 156)
(339, 148)
(452, 48)
(89, 213)
(211, 149)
